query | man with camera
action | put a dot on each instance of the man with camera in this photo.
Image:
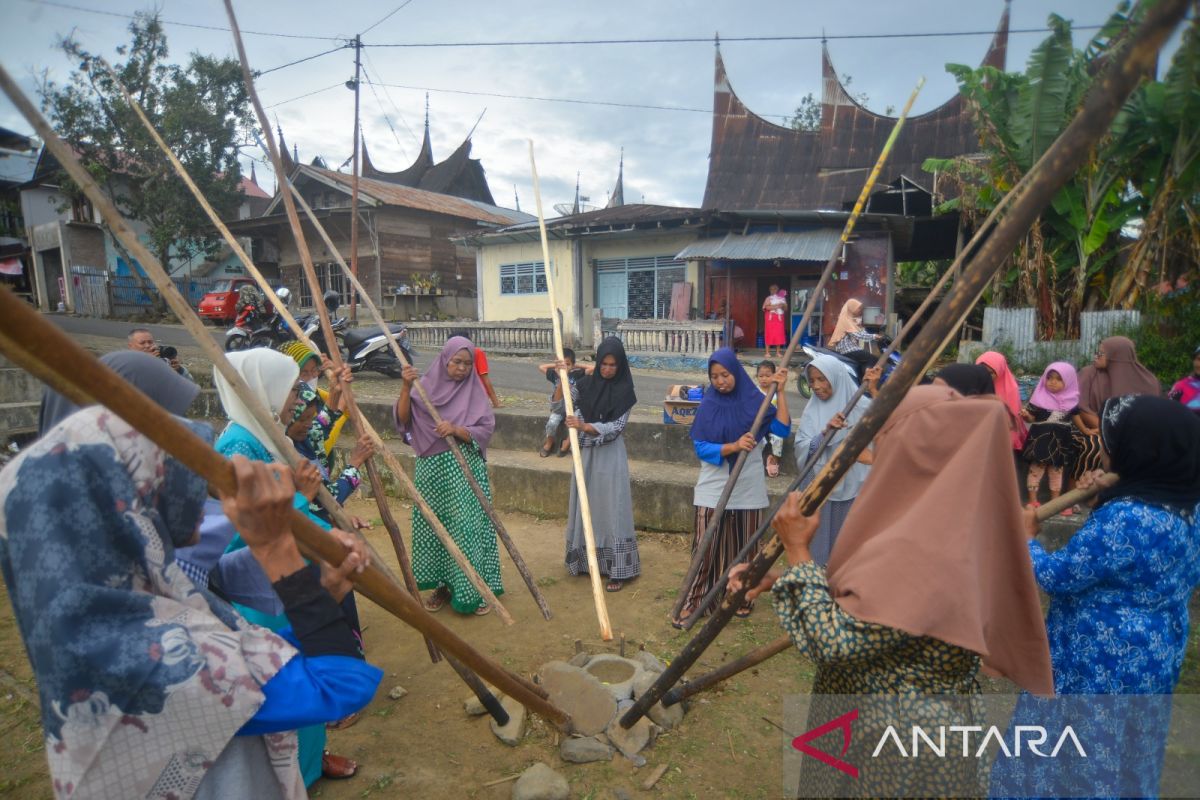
(142, 339)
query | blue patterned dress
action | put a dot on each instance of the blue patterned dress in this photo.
(1118, 619)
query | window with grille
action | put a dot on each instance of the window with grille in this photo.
(527, 278)
(330, 276)
(646, 288)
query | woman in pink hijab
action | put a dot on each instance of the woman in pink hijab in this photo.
(1009, 393)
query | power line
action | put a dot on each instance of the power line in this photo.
(307, 94)
(389, 15)
(395, 105)
(383, 111)
(709, 39)
(184, 24)
(301, 60)
(575, 101)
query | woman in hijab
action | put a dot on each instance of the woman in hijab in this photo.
(467, 415)
(330, 417)
(604, 398)
(271, 377)
(918, 595)
(720, 432)
(1114, 372)
(1118, 616)
(849, 333)
(969, 380)
(149, 685)
(151, 375)
(832, 387)
(1009, 393)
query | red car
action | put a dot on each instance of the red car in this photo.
(218, 305)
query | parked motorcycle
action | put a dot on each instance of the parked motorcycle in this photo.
(260, 329)
(311, 325)
(368, 348)
(857, 361)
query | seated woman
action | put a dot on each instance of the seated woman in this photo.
(930, 578)
(163, 684)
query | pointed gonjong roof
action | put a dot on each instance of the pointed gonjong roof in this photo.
(617, 198)
(758, 165)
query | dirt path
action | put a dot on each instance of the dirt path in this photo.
(424, 745)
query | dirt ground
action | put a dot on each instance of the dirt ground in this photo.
(425, 745)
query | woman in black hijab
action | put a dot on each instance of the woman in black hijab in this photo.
(604, 399)
(967, 379)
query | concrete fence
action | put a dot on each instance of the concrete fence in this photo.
(662, 336)
(515, 336)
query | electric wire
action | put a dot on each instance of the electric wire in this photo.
(302, 60)
(395, 105)
(383, 111)
(101, 12)
(306, 94)
(388, 16)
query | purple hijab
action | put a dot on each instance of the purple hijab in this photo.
(1066, 399)
(462, 402)
(724, 418)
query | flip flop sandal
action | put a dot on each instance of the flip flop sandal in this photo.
(336, 768)
(564, 452)
(435, 601)
(614, 586)
(545, 452)
(482, 611)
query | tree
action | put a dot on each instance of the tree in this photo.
(807, 116)
(1069, 260)
(200, 110)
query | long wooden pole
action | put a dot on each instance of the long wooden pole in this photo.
(170, 293)
(761, 654)
(1111, 87)
(52, 356)
(585, 507)
(335, 355)
(485, 502)
(702, 547)
(828, 434)
(285, 313)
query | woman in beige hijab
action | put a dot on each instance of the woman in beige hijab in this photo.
(849, 333)
(929, 581)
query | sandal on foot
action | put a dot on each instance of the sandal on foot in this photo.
(565, 450)
(744, 612)
(613, 586)
(482, 611)
(344, 722)
(545, 452)
(434, 602)
(336, 768)
(772, 468)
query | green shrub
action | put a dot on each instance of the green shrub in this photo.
(1169, 334)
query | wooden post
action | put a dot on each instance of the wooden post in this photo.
(335, 355)
(585, 508)
(52, 356)
(485, 502)
(1120, 75)
(730, 482)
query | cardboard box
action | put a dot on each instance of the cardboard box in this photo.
(679, 412)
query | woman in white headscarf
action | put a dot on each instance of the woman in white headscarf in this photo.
(833, 385)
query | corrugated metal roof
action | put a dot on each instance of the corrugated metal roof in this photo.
(815, 245)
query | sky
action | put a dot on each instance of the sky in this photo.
(665, 151)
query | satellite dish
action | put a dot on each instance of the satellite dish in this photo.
(567, 209)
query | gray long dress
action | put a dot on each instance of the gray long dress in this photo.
(606, 470)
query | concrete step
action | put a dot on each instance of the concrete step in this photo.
(18, 418)
(523, 431)
(18, 386)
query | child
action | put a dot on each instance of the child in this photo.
(1187, 390)
(765, 373)
(1050, 412)
(558, 406)
(481, 367)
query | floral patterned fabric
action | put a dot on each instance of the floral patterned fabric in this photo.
(143, 677)
(1118, 618)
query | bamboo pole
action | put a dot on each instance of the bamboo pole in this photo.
(740, 462)
(363, 425)
(585, 508)
(335, 355)
(828, 434)
(52, 356)
(485, 502)
(761, 654)
(158, 276)
(1111, 87)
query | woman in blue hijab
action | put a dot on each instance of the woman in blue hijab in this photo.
(720, 432)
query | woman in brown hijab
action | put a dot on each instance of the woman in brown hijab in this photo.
(1115, 372)
(930, 580)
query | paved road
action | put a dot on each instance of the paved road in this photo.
(509, 375)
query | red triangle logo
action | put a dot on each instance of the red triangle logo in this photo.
(801, 742)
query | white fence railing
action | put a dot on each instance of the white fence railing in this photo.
(691, 338)
(519, 335)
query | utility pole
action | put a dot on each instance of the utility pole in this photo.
(354, 188)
